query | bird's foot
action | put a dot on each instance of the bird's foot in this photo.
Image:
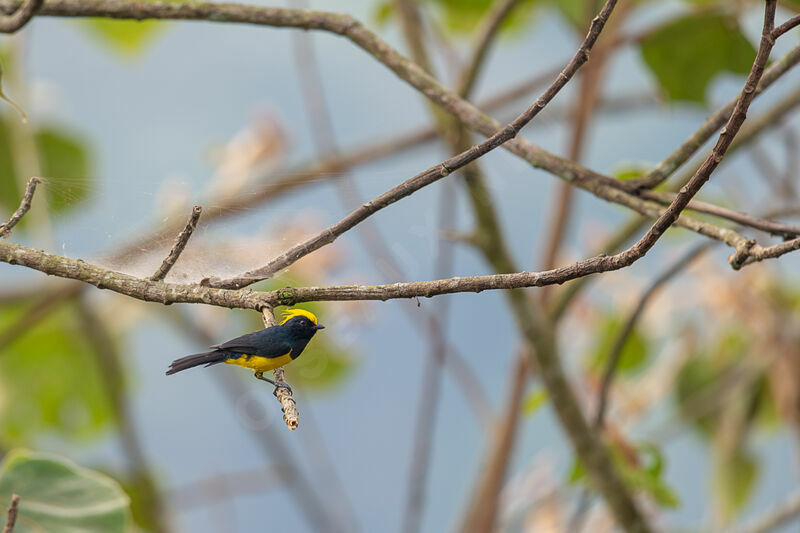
(260, 375)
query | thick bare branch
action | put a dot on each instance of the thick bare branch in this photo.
(139, 288)
(169, 293)
(180, 244)
(20, 16)
(23, 208)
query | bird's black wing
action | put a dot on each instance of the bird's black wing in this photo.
(263, 343)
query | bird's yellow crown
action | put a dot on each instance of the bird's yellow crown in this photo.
(291, 313)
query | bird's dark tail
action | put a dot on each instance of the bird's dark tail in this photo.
(190, 361)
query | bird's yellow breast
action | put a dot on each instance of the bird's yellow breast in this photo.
(259, 363)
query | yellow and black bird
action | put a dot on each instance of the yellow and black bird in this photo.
(262, 350)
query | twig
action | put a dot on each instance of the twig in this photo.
(786, 26)
(180, 244)
(283, 394)
(20, 16)
(431, 175)
(13, 509)
(23, 208)
(627, 328)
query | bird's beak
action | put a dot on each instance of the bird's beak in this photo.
(319, 326)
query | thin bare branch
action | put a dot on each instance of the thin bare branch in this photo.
(779, 229)
(23, 208)
(180, 244)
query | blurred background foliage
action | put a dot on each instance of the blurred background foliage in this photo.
(736, 370)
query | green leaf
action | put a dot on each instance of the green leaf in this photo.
(64, 162)
(50, 382)
(630, 171)
(126, 37)
(634, 351)
(735, 476)
(464, 16)
(58, 496)
(645, 478)
(577, 472)
(694, 379)
(383, 13)
(534, 401)
(688, 53)
(143, 493)
(642, 479)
